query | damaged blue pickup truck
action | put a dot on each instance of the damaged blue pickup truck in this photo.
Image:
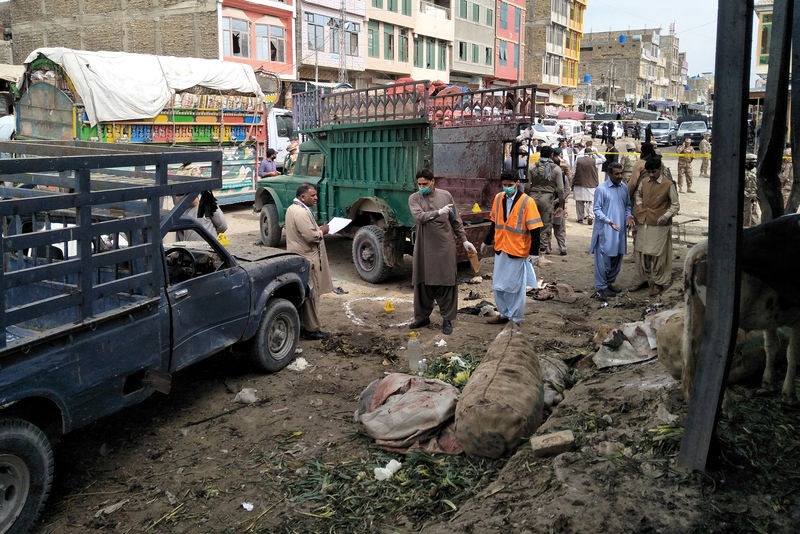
(99, 310)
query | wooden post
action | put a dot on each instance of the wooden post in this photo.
(731, 91)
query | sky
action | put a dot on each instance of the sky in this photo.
(695, 24)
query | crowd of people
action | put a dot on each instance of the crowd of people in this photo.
(638, 195)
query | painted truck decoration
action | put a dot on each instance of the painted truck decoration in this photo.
(364, 147)
(98, 311)
(242, 126)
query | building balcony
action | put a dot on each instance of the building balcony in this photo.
(434, 21)
(433, 10)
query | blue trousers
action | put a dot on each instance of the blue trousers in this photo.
(606, 269)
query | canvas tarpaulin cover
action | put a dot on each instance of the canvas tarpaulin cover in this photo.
(119, 86)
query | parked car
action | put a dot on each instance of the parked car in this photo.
(543, 135)
(572, 128)
(695, 130)
(551, 125)
(662, 132)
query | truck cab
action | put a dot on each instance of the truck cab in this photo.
(100, 309)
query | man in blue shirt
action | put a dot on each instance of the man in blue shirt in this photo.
(612, 206)
(267, 166)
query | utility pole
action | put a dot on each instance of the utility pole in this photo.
(342, 52)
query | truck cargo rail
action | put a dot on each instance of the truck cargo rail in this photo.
(449, 108)
(81, 229)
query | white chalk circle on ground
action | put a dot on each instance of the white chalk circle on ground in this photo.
(348, 308)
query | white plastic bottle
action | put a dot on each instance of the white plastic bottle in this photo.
(414, 352)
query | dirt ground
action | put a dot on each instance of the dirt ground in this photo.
(189, 462)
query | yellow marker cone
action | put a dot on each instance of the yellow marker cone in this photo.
(476, 208)
(223, 239)
(388, 307)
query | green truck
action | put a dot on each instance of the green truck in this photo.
(362, 149)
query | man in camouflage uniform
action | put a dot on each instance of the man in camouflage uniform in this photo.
(752, 216)
(546, 186)
(627, 159)
(685, 165)
(786, 176)
(705, 148)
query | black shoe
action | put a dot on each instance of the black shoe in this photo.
(603, 294)
(447, 327)
(613, 289)
(420, 323)
(319, 334)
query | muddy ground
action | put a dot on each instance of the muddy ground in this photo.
(186, 462)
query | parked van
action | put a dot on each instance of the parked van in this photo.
(572, 128)
(280, 132)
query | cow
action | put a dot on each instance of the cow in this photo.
(769, 297)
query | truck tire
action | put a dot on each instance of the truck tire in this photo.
(26, 474)
(268, 223)
(277, 336)
(368, 254)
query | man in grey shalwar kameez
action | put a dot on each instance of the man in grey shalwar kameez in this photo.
(612, 206)
(434, 266)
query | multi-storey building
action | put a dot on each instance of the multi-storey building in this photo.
(553, 33)
(509, 42)
(672, 67)
(408, 38)
(473, 42)
(627, 67)
(257, 32)
(763, 9)
(331, 40)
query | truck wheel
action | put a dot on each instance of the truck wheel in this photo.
(26, 474)
(270, 229)
(276, 337)
(368, 254)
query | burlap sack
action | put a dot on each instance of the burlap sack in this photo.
(501, 404)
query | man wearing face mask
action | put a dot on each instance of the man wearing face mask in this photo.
(514, 217)
(434, 264)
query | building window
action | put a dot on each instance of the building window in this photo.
(270, 43)
(351, 38)
(235, 37)
(316, 31)
(488, 56)
(490, 18)
(430, 53)
(476, 53)
(462, 51)
(388, 41)
(377, 3)
(373, 39)
(476, 13)
(391, 5)
(766, 33)
(504, 15)
(501, 54)
(516, 56)
(517, 19)
(418, 51)
(442, 55)
(402, 49)
(405, 7)
(462, 8)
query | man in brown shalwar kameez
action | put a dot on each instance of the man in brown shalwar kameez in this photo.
(434, 272)
(304, 237)
(655, 204)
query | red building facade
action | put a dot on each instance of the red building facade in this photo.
(509, 40)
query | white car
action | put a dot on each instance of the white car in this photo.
(551, 125)
(539, 132)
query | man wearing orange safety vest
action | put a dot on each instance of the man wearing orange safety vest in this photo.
(514, 218)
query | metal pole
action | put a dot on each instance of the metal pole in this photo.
(734, 29)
